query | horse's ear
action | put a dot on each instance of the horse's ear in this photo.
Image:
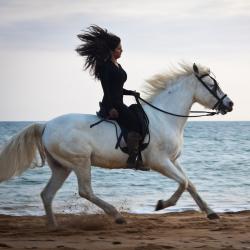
(195, 68)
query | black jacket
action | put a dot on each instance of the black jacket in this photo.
(112, 79)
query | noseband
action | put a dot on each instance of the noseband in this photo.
(213, 91)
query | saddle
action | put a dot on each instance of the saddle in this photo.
(143, 122)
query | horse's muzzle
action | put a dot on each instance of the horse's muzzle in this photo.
(223, 109)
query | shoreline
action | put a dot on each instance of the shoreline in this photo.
(175, 230)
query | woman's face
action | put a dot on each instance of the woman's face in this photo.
(117, 52)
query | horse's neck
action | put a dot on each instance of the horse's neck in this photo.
(177, 99)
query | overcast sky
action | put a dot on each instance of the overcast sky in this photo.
(41, 75)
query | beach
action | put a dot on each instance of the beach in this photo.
(184, 230)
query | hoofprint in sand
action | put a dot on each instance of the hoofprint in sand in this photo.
(186, 230)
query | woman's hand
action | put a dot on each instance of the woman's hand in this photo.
(113, 114)
(136, 94)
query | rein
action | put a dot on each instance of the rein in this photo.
(205, 113)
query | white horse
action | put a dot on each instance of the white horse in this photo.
(69, 144)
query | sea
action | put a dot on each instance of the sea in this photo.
(215, 156)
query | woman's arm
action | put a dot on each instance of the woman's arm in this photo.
(106, 79)
(106, 86)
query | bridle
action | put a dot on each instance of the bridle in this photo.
(213, 91)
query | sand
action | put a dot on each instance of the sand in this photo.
(186, 230)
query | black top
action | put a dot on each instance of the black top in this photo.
(112, 79)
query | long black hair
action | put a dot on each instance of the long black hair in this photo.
(97, 46)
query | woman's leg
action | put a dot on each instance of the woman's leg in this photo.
(128, 119)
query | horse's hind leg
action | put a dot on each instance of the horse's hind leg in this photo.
(59, 175)
(83, 174)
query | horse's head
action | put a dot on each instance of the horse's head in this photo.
(209, 94)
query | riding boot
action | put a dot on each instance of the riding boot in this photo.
(133, 140)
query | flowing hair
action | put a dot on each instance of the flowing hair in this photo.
(96, 49)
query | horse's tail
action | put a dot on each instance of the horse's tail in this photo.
(20, 152)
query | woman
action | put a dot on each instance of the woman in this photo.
(101, 50)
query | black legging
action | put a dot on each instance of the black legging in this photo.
(127, 118)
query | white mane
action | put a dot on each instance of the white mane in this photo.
(163, 81)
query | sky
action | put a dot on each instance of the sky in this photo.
(42, 77)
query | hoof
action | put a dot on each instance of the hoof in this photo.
(120, 221)
(213, 216)
(159, 205)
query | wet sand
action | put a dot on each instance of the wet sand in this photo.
(186, 230)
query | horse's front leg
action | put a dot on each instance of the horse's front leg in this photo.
(171, 201)
(199, 201)
(169, 170)
(202, 204)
